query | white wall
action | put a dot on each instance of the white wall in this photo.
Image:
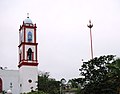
(21, 35)
(21, 51)
(10, 76)
(27, 73)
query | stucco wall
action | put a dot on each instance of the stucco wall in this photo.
(10, 80)
(28, 73)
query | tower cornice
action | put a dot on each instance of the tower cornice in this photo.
(27, 43)
(27, 26)
(27, 64)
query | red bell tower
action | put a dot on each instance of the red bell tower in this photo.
(28, 61)
(27, 44)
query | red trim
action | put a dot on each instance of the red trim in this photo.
(26, 55)
(23, 49)
(35, 35)
(34, 61)
(29, 26)
(22, 61)
(27, 64)
(24, 34)
(20, 28)
(0, 85)
(20, 57)
(27, 43)
(19, 37)
(23, 52)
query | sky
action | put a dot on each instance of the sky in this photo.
(62, 33)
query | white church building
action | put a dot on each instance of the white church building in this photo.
(25, 79)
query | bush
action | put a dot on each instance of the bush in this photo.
(36, 92)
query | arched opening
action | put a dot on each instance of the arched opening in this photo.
(29, 54)
(0, 85)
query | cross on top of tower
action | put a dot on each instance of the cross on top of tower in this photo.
(27, 15)
(89, 21)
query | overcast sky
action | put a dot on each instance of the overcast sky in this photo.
(62, 32)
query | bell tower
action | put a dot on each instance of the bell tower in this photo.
(28, 63)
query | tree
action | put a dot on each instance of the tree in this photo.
(48, 85)
(74, 83)
(98, 76)
(115, 73)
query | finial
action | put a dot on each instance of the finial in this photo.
(90, 25)
(27, 15)
(89, 21)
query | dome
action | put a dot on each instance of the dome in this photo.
(28, 20)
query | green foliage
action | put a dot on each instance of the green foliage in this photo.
(48, 85)
(78, 91)
(100, 76)
(37, 92)
(74, 83)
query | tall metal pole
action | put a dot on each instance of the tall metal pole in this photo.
(90, 26)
